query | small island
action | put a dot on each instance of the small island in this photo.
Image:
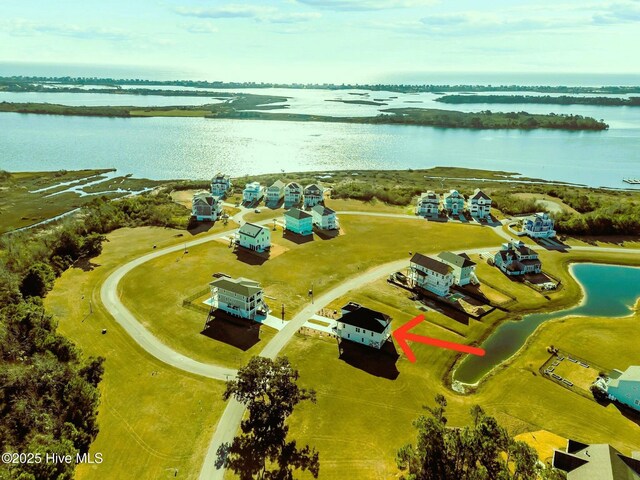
(248, 107)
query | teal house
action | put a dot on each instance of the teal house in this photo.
(625, 386)
(298, 221)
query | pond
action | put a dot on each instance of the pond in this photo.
(609, 291)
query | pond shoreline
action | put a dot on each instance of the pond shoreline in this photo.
(463, 387)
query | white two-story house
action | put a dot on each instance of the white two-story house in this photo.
(240, 297)
(313, 195)
(220, 185)
(479, 205)
(206, 207)
(362, 325)
(430, 274)
(292, 194)
(275, 193)
(539, 225)
(253, 192)
(515, 258)
(463, 268)
(453, 202)
(428, 204)
(298, 221)
(254, 237)
(324, 218)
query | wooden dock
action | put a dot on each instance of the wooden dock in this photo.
(632, 181)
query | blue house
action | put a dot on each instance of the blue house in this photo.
(625, 386)
(298, 221)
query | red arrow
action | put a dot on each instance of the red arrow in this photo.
(402, 335)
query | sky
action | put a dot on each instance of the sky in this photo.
(324, 40)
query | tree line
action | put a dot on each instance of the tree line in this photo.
(388, 87)
(48, 390)
(541, 99)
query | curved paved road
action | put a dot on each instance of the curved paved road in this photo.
(230, 420)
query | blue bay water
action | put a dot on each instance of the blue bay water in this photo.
(163, 148)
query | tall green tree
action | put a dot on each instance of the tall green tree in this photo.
(482, 451)
(38, 280)
(269, 390)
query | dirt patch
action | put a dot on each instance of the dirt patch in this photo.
(184, 197)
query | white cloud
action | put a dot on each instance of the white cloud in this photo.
(226, 11)
(27, 28)
(200, 28)
(255, 12)
(365, 5)
(627, 12)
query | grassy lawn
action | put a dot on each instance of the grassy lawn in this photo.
(286, 278)
(375, 205)
(606, 241)
(553, 204)
(153, 419)
(361, 397)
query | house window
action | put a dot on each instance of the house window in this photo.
(638, 402)
(357, 330)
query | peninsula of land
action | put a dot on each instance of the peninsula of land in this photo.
(246, 107)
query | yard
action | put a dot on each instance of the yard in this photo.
(356, 397)
(285, 278)
(142, 432)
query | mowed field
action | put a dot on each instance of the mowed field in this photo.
(379, 395)
(154, 292)
(153, 419)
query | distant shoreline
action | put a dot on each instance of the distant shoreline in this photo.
(26, 83)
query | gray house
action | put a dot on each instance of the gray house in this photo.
(595, 462)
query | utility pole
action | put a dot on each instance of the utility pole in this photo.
(283, 313)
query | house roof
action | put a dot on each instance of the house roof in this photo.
(293, 186)
(363, 317)
(430, 263)
(241, 286)
(524, 250)
(598, 461)
(477, 194)
(297, 214)
(453, 194)
(220, 177)
(279, 184)
(251, 229)
(631, 374)
(252, 186)
(430, 195)
(312, 189)
(322, 210)
(460, 261)
(203, 197)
